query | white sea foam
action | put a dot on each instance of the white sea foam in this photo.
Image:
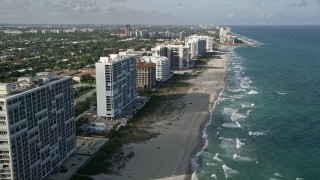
(228, 111)
(238, 96)
(229, 172)
(226, 139)
(230, 146)
(216, 158)
(253, 92)
(239, 144)
(278, 175)
(244, 85)
(235, 116)
(236, 90)
(231, 125)
(257, 133)
(241, 158)
(214, 176)
(207, 154)
(194, 176)
(248, 112)
(227, 143)
(238, 124)
(280, 92)
(212, 164)
(247, 105)
(274, 179)
(299, 179)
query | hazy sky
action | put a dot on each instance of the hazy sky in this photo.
(160, 11)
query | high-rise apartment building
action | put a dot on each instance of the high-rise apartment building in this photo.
(37, 127)
(127, 30)
(162, 66)
(182, 35)
(226, 36)
(195, 38)
(197, 46)
(146, 75)
(193, 46)
(178, 55)
(116, 79)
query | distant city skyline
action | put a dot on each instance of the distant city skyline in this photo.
(230, 12)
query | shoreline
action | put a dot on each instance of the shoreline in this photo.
(193, 168)
(202, 139)
(169, 155)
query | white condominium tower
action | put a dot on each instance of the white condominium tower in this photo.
(162, 66)
(116, 79)
(226, 36)
(194, 38)
(178, 55)
(37, 128)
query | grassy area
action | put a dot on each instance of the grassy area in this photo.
(201, 62)
(82, 106)
(82, 92)
(173, 89)
(100, 163)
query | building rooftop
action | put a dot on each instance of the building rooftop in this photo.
(150, 58)
(141, 64)
(27, 83)
(114, 58)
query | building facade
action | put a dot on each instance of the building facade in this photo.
(182, 35)
(146, 75)
(178, 55)
(127, 30)
(195, 38)
(37, 127)
(226, 36)
(193, 47)
(116, 82)
(162, 66)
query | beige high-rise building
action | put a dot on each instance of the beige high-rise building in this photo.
(182, 35)
(146, 75)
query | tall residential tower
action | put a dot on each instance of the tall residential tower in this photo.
(127, 30)
(37, 128)
(116, 79)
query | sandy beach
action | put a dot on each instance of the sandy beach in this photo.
(168, 156)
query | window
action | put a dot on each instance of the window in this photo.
(4, 142)
(3, 132)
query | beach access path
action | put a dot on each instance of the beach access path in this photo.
(168, 156)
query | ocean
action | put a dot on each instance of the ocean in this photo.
(266, 122)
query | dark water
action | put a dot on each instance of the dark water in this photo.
(266, 124)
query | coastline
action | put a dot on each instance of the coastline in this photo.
(202, 143)
(169, 155)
